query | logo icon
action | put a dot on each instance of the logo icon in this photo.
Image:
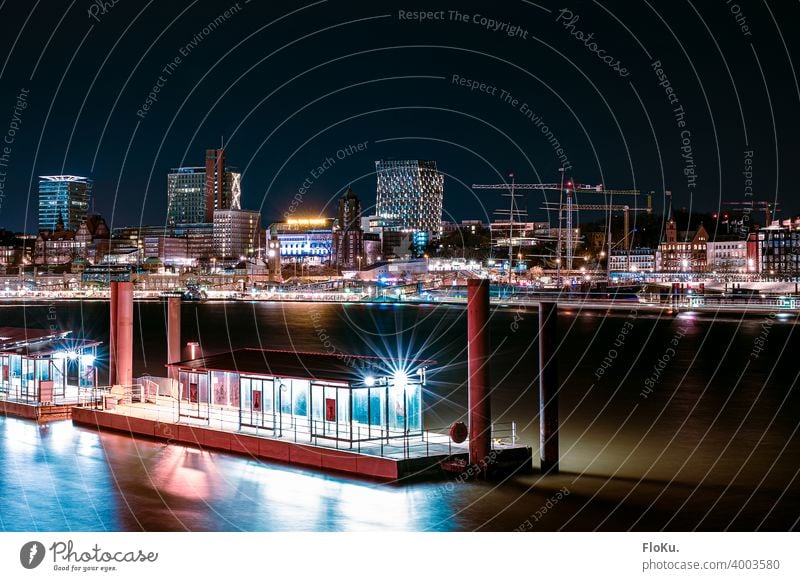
(31, 554)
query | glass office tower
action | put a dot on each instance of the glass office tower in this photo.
(186, 195)
(64, 198)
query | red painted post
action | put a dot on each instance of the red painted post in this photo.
(112, 334)
(173, 333)
(548, 387)
(125, 334)
(480, 414)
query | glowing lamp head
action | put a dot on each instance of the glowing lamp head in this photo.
(369, 381)
(72, 355)
(400, 378)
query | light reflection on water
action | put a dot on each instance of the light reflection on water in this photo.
(68, 478)
(707, 421)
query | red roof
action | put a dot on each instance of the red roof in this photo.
(39, 342)
(15, 337)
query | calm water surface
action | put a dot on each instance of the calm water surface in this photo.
(666, 423)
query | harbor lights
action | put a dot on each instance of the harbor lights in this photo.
(400, 378)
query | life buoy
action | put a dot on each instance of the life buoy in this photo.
(458, 432)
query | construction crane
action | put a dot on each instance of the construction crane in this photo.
(566, 209)
(513, 214)
(624, 208)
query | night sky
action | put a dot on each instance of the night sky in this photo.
(290, 85)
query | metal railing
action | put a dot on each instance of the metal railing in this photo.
(73, 395)
(370, 440)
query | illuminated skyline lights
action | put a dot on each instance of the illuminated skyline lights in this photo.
(63, 197)
(411, 192)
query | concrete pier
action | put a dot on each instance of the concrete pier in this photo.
(120, 368)
(112, 334)
(402, 463)
(173, 334)
(548, 387)
(480, 412)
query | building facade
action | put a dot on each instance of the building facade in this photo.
(170, 251)
(199, 240)
(56, 248)
(223, 185)
(186, 195)
(272, 255)
(727, 254)
(373, 249)
(636, 260)
(139, 235)
(412, 192)
(349, 237)
(684, 252)
(394, 241)
(236, 234)
(520, 233)
(308, 241)
(780, 248)
(193, 193)
(90, 242)
(65, 198)
(16, 250)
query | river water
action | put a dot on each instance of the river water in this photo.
(666, 423)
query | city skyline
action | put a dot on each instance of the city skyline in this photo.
(329, 209)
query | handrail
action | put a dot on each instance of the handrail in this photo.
(377, 441)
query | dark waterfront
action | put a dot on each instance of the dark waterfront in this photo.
(666, 423)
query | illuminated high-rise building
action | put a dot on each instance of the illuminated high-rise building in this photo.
(63, 199)
(186, 196)
(223, 184)
(236, 234)
(193, 193)
(411, 192)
